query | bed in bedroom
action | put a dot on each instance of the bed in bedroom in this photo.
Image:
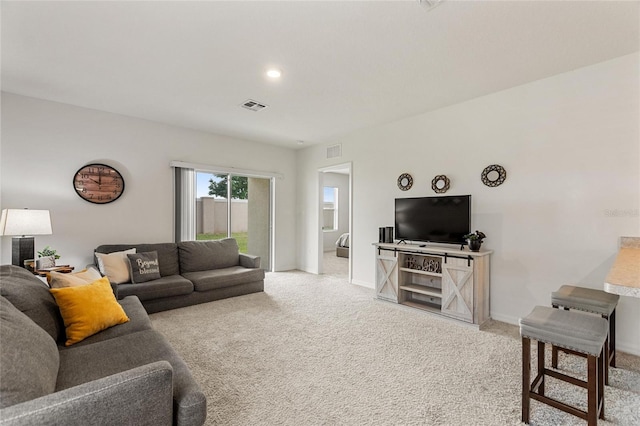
(342, 246)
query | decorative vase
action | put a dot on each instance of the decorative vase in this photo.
(46, 262)
(474, 245)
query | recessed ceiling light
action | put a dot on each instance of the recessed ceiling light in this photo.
(274, 73)
(300, 142)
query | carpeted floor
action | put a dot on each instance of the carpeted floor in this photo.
(314, 350)
(334, 265)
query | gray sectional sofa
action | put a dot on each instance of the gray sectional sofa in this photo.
(125, 375)
(193, 272)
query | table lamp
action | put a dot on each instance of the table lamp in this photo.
(23, 224)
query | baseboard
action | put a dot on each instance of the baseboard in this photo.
(285, 268)
(363, 284)
(630, 349)
(504, 318)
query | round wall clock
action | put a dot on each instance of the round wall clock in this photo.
(405, 181)
(98, 183)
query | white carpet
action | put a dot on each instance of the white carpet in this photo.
(314, 350)
(335, 266)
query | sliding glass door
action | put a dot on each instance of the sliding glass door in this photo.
(241, 209)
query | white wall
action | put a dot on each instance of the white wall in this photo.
(571, 148)
(45, 143)
(340, 181)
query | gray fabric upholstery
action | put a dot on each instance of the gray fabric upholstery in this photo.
(225, 277)
(28, 357)
(342, 251)
(249, 261)
(580, 332)
(174, 285)
(31, 296)
(167, 254)
(196, 297)
(131, 351)
(205, 255)
(585, 299)
(138, 321)
(219, 271)
(125, 375)
(104, 401)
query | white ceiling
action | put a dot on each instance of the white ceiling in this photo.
(346, 65)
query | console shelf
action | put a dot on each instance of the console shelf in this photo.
(425, 306)
(446, 281)
(427, 291)
(415, 271)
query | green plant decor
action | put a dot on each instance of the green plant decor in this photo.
(475, 236)
(48, 251)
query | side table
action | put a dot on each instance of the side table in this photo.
(64, 269)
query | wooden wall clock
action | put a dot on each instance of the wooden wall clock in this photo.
(98, 183)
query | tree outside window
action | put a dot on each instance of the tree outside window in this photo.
(239, 186)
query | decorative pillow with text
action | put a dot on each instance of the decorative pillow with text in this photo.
(144, 267)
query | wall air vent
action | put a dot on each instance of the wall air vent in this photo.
(252, 105)
(334, 151)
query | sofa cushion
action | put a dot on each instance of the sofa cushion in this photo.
(143, 267)
(206, 255)
(138, 321)
(88, 309)
(226, 277)
(115, 355)
(31, 296)
(167, 254)
(84, 277)
(174, 285)
(28, 356)
(115, 265)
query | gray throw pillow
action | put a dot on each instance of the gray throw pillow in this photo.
(28, 355)
(206, 255)
(32, 297)
(144, 267)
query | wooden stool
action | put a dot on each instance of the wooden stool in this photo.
(568, 330)
(593, 301)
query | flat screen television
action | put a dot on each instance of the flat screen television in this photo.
(444, 219)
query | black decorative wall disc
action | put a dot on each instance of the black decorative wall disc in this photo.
(494, 175)
(440, 184)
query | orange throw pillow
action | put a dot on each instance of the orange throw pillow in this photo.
(88, 309)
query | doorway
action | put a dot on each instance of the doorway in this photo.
(335, 211)
(241, 210)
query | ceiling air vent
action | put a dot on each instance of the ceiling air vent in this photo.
(252, 105)
(334, 151)
(429, 4)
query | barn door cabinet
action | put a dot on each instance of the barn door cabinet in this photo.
(449, 282)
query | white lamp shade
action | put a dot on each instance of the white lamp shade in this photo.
(25, 222)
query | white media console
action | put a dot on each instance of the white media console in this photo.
(450, 282)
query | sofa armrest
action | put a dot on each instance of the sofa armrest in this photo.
(140, 396)
(249, 261)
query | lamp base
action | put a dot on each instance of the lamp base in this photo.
(22, 248)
